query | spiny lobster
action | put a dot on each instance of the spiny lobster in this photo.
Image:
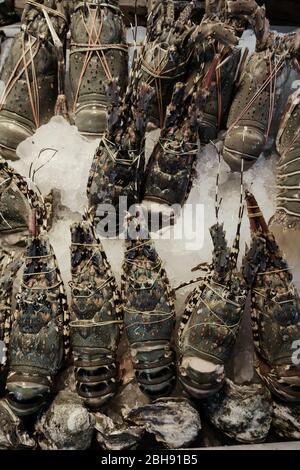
(171, 168)
(288, 176)
(149, 312)
(220, 37)
(165, 54)
(98, 55)
(275, 309)
(36, 348)
(115, 177)
(175, 49)
(212, 316)
(96, 316)
(257, 98)
(33, 74)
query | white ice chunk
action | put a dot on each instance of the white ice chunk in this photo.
(64, 165)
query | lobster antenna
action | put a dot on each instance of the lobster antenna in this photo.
(236, 244)
(218, 200)
(136, 21)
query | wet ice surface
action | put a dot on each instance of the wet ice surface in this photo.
(65, 167)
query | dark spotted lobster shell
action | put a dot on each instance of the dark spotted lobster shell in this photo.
(36, 348)
(96, 317)
(149, 315)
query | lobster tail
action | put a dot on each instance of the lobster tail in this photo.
(154, 365)
(96, 320)
(149, 313)
(36, 347)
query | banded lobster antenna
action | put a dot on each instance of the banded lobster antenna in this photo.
(236, 244)
(218, 201)
(256, 218)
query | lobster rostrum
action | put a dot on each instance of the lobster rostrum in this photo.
(98, 55)
(115, 177)
(9, 266)
(212, 317)
(288, 176)
(275, 309)
(17, 200)
(258, 99)
(149, 312)
(33, 74)
(96, 317)
(36, 348)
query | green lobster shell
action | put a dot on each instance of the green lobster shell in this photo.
(36, 348)
(30, 75)
(251, 112)
(98, 55)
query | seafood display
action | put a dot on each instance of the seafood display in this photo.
(98, 54)
(105, 341)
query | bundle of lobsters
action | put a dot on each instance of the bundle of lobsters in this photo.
(192, 81)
